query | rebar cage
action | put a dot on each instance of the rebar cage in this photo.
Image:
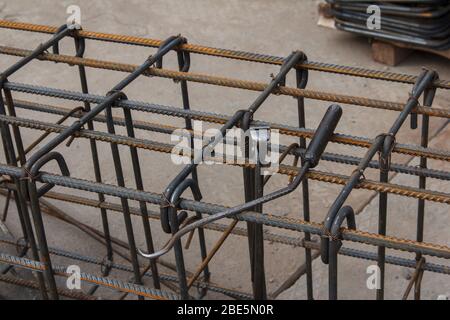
(28, 187)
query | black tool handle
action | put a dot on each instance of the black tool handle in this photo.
(323, 134)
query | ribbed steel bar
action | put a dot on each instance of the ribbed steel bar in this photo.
(33, 285)
(231, 54)
(232, 83)
(105, 282)
(80, 47)
(283, 169)
(121, 267)
(412, 150)
(267, 219)
(360, 254)
(10, 154)
(383, 144)
(269, 236)
(169, 129)
(21, 181)
(219, 227)
(45, 154)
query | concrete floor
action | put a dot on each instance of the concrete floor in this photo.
(275, 27)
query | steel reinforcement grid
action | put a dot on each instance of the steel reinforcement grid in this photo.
(28, 188)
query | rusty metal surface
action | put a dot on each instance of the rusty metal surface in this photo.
(29, 186)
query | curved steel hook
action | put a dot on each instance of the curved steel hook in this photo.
(346, 213)
(315, 149)
(385, 152)
(302, 74)
(80, 44)
(159, 62)
(121, 95)
(184, 60)
(336, 243)
(43, 161)
(332, 230)
(246, 119)
(169, 208)
(227, 213)
(301, 58)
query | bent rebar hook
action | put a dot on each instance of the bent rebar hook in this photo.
(166, 212)
(169, 213)
(315, 149)
(28, 187)
(345, 213)
(184, 56)
(43, 161)
(331, 230)
(80, 44)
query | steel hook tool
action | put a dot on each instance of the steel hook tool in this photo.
(312, 157)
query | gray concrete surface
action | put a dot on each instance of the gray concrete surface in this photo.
(273, 27)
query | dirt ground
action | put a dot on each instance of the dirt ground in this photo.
(275, 27)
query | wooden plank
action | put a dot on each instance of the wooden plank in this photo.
(326, 19)
(388, 53)
(442, 53)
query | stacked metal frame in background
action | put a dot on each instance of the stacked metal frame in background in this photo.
(419, 23)
(23, 180)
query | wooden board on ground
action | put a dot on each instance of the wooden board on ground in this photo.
(388, 53)
(393, 53)
(325, 17)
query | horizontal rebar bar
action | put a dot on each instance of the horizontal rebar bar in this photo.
(168, 129)
(229, 82)
(27, 194)
(103, 281)
(231, 54)
(269, 236)
(34, 285)
(121, 267)
(267, 219)
(411, 150)
(283, 169)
